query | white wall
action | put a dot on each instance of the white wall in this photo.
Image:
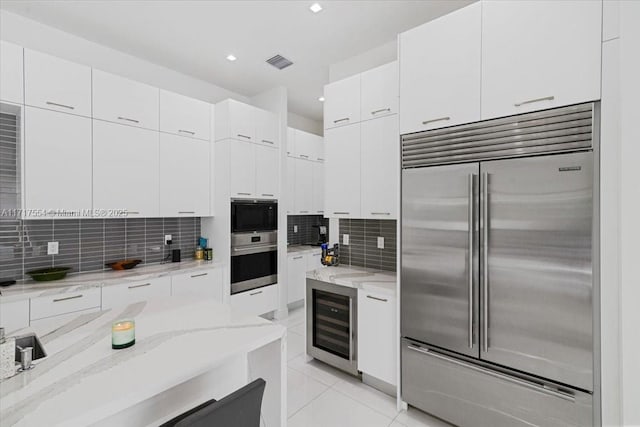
(630, 209)
(303, 123)
(375, 57)
(34, 35)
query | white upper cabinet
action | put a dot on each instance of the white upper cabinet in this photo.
(304, 145)
(236, 120)
(317, 203)
(440, 71)
(124, 101)
(342, 102)
(242, 166)
(380, 168)
(11, 73)
(539, 54)
(290, 186)
(184, 116)
(58, 159)
(379, 91)
(319, 149)
(267, 168)
(184, 176)
(126, 169)
(291, 141)
(303, 189)
(267, 128)
(56, 84)
(342, 148)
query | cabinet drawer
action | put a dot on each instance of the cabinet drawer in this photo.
(56, 84)
(206, 283)
(69, 302)
(128, 293)
(184, 116)
(256, 302)
(14, 315)
(124, 101)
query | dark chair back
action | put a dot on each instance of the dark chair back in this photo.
(239, 409)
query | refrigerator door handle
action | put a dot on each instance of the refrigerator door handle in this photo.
(470, 257)
(485, 261)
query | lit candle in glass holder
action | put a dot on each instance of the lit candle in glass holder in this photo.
(123, 334)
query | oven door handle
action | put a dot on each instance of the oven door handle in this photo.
(253, 249)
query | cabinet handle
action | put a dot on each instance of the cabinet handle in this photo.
(267, 195)
(255, 293)
(320, 211)
(267, 141)
(304, 211)
(426, 122)
(320, 159)
(380, 111)
(199, 275)
(55, 104)
(186, 131)
(186, 212)
(346, 119)
(126, 119)
(377, 299)
(531, 101)
(380, 213)
(304, 156)
(341, 213)
(244, 136)
(139, 286)
(244, 194)
(67, 298)
(133, 212)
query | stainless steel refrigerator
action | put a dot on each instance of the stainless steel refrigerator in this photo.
(499, 250)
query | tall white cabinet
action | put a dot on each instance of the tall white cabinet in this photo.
(305, 173)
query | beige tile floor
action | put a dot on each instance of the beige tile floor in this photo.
(321, 396)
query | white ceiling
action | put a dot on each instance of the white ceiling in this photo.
(194, 37)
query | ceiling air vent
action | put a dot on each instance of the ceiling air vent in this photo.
(279, 61)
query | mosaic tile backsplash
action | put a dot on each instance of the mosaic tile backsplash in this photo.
(307, 233)
(362, 249)
(87, 244)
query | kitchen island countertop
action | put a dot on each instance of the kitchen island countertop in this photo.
(357, 277)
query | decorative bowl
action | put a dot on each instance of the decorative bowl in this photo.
(124, 264)
(49, 273)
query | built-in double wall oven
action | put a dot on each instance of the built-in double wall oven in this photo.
(254, 244)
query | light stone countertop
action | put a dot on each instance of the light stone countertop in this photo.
(357, 277)
(76, 282)
(83, 381)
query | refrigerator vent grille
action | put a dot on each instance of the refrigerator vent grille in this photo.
(549, 131)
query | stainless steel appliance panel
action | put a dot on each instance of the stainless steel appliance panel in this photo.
(468, 394)
(439, 293)
(537, 266)
(253, 215)
(254, 260)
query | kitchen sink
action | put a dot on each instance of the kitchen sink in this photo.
(30, 340)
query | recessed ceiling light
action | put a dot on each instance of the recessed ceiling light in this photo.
(315, 8)
(231, 58)
(321, 99)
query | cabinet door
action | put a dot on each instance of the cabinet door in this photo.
(236, 120)
(303, 187)
(184, 116)
(126, 169)
(380, 168)
(290, 185)
(267, 171)
(56, 84)
(314, 261)
(539, 54)
(317, 203)
(129, 293)
(296, 277)
(342, 102)
(184, 176)
(304, 147)
(267, 128)
(377, 336)
(124, 101)
(14, 315)
(440, 71)
(11, 73)
(342, 147)
(242, 165)
(318, 148)
(256, 301)
(379, 91)
(58, 161)
(206, 284)
(63, 303)
(291, 138)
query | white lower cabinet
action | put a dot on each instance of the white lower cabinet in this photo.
(64, 303)
(377, 337)
(314, 260)
(128, 293)
(256, 301)
(206, 284)
(296, 277)
(14, 315)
